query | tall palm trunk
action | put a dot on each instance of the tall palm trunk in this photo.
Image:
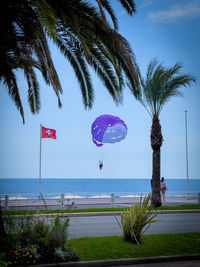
(156, 143)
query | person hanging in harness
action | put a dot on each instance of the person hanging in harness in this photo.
(100, 164)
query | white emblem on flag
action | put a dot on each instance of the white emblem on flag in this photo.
(48, 132)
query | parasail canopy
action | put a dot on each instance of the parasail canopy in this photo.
(108, 129)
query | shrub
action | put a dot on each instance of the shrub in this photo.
(47, 236)
(3, 262)
(38, 234)
(51, 236)
(59, 232)
(136, 220)
(67, 255)
(23, 255)
(48, 242)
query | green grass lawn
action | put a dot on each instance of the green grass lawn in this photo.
(180, 207)
(30, 212)
(113, 247)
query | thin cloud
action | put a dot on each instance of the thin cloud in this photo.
(146, 3)
(176, 12)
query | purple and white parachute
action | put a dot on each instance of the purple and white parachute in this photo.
(108, 129)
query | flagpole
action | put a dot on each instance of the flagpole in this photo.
(40, 160)
(186, 146)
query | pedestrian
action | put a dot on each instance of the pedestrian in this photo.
(163, 187)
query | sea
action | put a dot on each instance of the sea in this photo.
(88, 187)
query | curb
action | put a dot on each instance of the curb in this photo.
(88, 214)
(122, 262)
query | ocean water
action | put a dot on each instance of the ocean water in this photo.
(58, 186)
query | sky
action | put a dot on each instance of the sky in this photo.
(166, 30)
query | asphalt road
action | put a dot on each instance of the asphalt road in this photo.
(108, 226)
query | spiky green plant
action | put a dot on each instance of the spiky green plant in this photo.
(136, 220)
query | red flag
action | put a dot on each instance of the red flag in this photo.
(48, 133)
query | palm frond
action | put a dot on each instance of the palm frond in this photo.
(119, 49)
(111, 62)
(78, 29)
(46, 17)
(89, 96)
(160, 85)
(10, 82)
(33, 91)
(81, 73)
(104, 71)
(129, 6)
(106, 5)
(171, 89)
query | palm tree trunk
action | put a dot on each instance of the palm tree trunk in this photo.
(156, 143)
(155, 185)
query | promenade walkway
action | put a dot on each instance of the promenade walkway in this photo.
(90, 202)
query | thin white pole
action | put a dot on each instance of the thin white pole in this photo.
(40, 160)
(186, 145)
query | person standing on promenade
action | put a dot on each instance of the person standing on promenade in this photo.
(163, 187)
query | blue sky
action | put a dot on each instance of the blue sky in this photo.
(166, 30)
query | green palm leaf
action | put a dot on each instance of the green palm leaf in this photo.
(82, 34)
(160, 85)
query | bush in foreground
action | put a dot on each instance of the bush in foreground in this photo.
(37, 241)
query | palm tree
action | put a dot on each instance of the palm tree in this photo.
(82, 34)
(159, 86)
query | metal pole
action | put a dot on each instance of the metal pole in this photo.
(186, 145)
(40, 160)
